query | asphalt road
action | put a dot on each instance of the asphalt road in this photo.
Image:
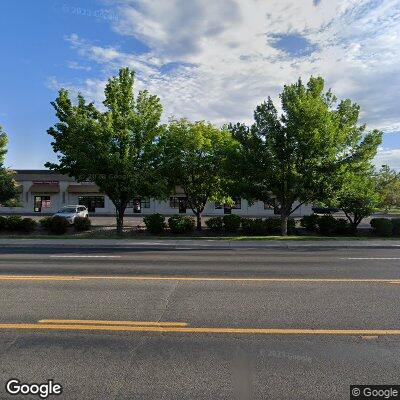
(147, 323)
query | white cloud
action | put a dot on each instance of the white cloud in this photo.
(231, 66)
(389, 157)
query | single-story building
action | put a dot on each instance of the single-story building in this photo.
(45, 192)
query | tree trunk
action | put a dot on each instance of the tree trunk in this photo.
(284, 221)
(198, 221)
(120, 211)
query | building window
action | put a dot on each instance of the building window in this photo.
(137, 204)
(91, 202)
(272, 205)
(145, 202)
(218, 206)
(41, 202)
(237, 203)
(174, 202)
(178, 202)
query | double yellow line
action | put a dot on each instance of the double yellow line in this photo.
(183, 327)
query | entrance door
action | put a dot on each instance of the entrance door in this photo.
(182, 205)
(37, 206)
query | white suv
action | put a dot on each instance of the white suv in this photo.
(71, 212)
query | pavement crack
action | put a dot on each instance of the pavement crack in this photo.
(168, 299)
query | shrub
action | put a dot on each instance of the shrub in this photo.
(382, 226)
(310, 222)
(155, 223)
(273, 226)
(13, 223)
(231, 222)
(396, 226)
(215, 224)
(3, 223)
(342, 227)
(291, 226)
(254, 226)
(181, 224)
(82, 224)
(27, 225)
(45, 223)
(327, 225)
(58, 225)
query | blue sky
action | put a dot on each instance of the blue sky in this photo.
(214, 62)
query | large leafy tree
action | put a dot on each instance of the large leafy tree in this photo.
(114, 148)
(301, 155)
(388, 186)
(194, 157)
(8, 187)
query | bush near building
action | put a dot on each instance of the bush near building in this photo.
(310, 222)
(256, 226)
(181, 224)
(232, 223)
(215, 224)
(155, 223)
(15, 223)
(55, 225)
(82, 224)
(396, 226)
(382, 226)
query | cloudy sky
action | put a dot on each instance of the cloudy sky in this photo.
(213, 60)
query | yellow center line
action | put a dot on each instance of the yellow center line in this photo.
(205, 330)
(101, 323)
(194, 279)
(39, 278)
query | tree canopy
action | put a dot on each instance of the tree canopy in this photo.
(115, 148)
(194, 157)
(302, 154)
(388, 186)
(8, 186)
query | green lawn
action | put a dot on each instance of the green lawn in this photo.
(113, 235)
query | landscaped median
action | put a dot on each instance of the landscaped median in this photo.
(181, 227)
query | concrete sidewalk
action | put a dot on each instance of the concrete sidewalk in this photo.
(204, 243)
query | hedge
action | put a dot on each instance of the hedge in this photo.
(15, 223)
(155, 223)
(382, 226)
(215, 224)
(231, 223)
(82, 224)
(181, 224)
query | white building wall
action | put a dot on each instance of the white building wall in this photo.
(64, 198)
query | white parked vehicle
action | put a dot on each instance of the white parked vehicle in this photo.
(71, 212)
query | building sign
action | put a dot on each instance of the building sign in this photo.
(46, 182)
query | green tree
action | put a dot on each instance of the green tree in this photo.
(116, 148)
(358, 197)
(8, 186)
(193, 157)
(388, 186)
(301, 155)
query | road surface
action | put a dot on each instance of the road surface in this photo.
(159, 323)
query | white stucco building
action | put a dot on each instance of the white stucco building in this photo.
(45, 192)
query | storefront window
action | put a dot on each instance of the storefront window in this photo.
(137, 204)
(91, 202)
(41, 202)
(178, 202)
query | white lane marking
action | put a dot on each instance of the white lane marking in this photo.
(81, 256)
(371, 258)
